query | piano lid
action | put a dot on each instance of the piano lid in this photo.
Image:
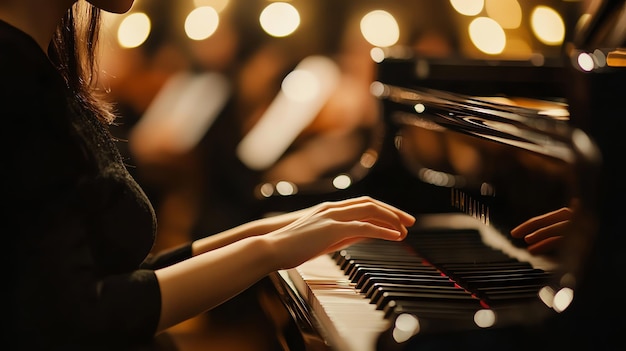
(504, 160)
(450, 58)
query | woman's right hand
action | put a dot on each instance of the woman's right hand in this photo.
(299, 218)
(330, 226)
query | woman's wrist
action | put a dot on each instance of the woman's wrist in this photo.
(227, 237)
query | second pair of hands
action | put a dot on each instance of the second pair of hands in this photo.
(546, 232)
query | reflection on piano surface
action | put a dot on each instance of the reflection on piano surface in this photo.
(474, 161)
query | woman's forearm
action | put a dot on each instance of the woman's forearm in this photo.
(258, 227)
(203, 282)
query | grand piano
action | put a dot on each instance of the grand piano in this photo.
(475, 148)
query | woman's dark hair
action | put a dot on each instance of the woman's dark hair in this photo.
(73, 52)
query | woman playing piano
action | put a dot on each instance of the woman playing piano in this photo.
(82, 228)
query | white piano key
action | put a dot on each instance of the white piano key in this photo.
(350, 321)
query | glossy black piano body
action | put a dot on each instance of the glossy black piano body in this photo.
(499, 161)
(489, 162)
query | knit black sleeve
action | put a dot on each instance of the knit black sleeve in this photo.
(167, 257)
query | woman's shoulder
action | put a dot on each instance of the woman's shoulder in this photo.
(25, 71)
(30, 87)
(19, 52)
(35, 126)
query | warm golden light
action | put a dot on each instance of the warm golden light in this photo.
(218, 5)
(600, 59)
(616, 58)
(133, 30)
(405, 327)
(508, 13)
(380, 28)
(368, 159)
(201, 23)
(342, 181)
(547, 25)
(286, 188)
(546, 294)
(378, 89)
(266, 190)
(563, 298)
(468, 7)
(183, 110)
(485, 318)
(377, 54)
(487, 35)
(301, 85)
(279, 19)
(585, 62)
(304, 92)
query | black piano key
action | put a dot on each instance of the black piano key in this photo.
(459, 276)
(508, 297)
(365, 264)
(416, 284)
(357, 271)
(501, 294)
(424, 307)
(427, 311)
(378, 289)
(345, 261)
(500, 275)
(366, 276)
(481, 266)
(401, 296)
(540, 276)
(438, 322)
(478, 284)
(486, 270)
(405, 280)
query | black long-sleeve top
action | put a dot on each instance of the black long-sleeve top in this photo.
(79, 229)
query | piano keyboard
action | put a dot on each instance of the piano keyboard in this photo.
(437, 280)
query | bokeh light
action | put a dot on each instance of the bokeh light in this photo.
(218, 5)
(547, 25)
(468, 7)
(134, 30)
(201, 23)
(487, 35)
(279, 19)
(380, 28)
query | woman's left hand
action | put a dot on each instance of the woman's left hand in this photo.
(546, 232)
